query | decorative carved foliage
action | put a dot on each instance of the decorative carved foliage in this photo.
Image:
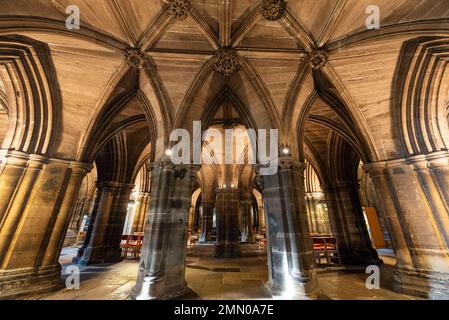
(317, 59)
(285, 163)
(134, 58)
(227, 62)
(273, 9)
(179, 9)
(258, 180)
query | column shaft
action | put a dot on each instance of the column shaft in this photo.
(292, 271)
(227, 203)
(357, 249)
(40, 194)
(162, 264)
(248, 234)
(207, 221)
(140, 212)
(102, 244)
(416, 214)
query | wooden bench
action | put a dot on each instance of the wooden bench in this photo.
(327, 248)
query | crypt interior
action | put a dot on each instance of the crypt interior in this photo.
(86, 122)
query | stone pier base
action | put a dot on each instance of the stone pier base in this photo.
(27, 281)
(426, 285)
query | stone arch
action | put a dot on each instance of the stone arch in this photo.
(32, 94)
(331, 142)
(420, 106)
(17, 24)
(121, 110)
(208, 87)
(348, 126)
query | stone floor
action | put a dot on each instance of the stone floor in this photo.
(211, 278)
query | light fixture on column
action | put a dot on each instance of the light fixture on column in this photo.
(232, 185)
(168, 152)
(286, 151)
(224, 186)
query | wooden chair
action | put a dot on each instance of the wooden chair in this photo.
(262, 243)
(191, 241)
(326, 247)
(136, 245)
(125, 245)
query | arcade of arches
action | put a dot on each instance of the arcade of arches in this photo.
(362, 117)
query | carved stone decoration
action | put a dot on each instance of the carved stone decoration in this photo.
(285, 163)
(179, 9)
(163, 164)
(258, 180)
(227, 62)
(273, 9)
(317, 59)
(134, 58)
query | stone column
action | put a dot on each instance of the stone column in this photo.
(247, 222)
(102, 243)
(292, 273)
(349, 226)
(227, 204)
(191, 223)
(162, 264)
(262, 224)
(140, 211)
(78, 211)
(416, 213)
(335, 221)
(311, 205)
(207, 221)
(39, 194)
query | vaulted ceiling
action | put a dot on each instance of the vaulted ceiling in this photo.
(275, 78)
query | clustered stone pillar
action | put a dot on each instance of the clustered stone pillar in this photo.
(318, 219)
(207, 221)
(348, 225)
(104, 234)
(227, 204)
(415, 206)
(191, 224)
(38, 196)
(292, 273)
(162, 264)
(247, 221)
(81, 206)
(140, 211)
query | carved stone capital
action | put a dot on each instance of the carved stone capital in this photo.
(318, 59)
(258, 179)
(179, 9)
(376, 169)
(227, 62)
(134, 58)
(273, 9)
(288, 163)
(163, 164)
